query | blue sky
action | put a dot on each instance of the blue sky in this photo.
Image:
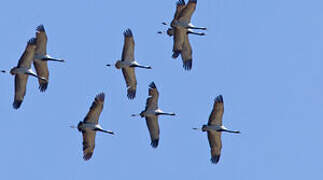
(264, 57)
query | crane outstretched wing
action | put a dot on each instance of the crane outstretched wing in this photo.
(152, 100)
(88, 143)
(153, 127)
(217, 112)
(128, 52)
(187, 53)
(215, 142)
(180, 5)
(95, 109)
(131, 82)
(41, 41)
(186, 14)
(27, 57)
(20, 89)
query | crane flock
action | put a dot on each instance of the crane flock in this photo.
(180, 27)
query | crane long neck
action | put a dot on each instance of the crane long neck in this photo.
(106, 131)
(193, 27)
(166, 113)
(141, 66)
(53, 59)
(231, 131)
(196, 33)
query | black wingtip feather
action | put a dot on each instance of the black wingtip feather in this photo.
(43, 87)
(215, 159)
(40, 28)
(131, 94)
(32, 41)
(152, 85)
(219, 98)
(79, 126)
(128, 33)
(16, 104)
(100, 97)
(180, 3)
(176, 54)
(154, 143)
(187, 65)
(87, 156)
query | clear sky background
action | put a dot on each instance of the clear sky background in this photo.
(264, 57)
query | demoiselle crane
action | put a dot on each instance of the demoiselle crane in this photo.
(22, 71)
(41, 57)
(214, 129)
(128, 64)
(89, 126)
(151, 114)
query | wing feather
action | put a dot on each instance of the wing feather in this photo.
(95, 109)
(187, 12)
(131, 82)
(215, 142)
(88, 143)
(41, 40)
(128, 47)
(28, 55)
(20, 89)
(180, 5)
(217, 112)
(152, 101)
(187, 53)
(153, 127)
(42, 71)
